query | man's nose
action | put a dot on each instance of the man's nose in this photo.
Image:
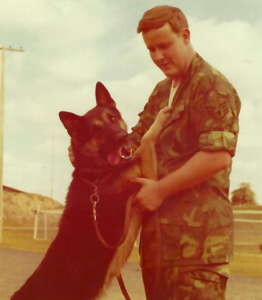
(157, 56)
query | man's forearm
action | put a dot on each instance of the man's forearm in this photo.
(198, 169)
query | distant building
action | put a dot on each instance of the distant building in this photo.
(9, 189)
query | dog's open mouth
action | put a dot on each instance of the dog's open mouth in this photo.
(122, 152)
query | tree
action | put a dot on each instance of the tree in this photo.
(243, 195)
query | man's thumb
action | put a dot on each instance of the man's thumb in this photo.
(138, 180)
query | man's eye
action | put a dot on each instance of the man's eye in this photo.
(164, 46)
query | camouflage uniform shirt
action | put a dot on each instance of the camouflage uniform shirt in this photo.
(197, 224)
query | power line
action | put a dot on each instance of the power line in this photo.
(2, 110)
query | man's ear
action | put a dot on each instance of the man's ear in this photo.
(186, 35)
(70, 121)
(103, 97)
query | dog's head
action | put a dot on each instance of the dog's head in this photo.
(99, 138)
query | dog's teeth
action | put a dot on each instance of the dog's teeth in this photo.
(130, 154)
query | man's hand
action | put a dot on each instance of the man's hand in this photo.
(71, 155)
(148, 198)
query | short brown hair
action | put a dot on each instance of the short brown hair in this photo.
(160, 15)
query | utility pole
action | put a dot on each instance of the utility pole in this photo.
(2, 113)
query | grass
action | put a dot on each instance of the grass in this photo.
(243, 264)
(247, 265)
(23, 240)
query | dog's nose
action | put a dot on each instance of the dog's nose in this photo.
(115, 134)
(121, 136)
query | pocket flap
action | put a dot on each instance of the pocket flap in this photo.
(188, 213)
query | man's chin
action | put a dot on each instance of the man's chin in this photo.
(169, 73)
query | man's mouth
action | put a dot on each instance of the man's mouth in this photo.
(165, 65)
(116, 155)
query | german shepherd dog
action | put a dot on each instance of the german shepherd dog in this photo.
(80, 261)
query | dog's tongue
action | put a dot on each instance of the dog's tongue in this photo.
(114, 157)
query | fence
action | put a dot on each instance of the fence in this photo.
(45, 213)
(248, 231)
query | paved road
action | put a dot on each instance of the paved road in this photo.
(16, 266)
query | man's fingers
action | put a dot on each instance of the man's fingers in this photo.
(135, 200)
(71, 155)
(138, 180)
(70, 151)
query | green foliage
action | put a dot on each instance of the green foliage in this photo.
(243, 195)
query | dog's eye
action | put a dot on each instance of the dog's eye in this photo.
(112, 119)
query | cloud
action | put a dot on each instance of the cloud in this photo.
(234, 49)
(70, 45)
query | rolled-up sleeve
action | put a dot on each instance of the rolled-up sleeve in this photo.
(218, 140)
(215, 117)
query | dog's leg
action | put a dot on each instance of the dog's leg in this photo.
(148, 170)
(124, 250)
(147, 147)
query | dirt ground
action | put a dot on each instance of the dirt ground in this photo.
(16, 266)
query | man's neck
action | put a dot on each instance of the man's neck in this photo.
(177, 80)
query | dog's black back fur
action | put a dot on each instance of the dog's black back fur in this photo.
(76, 263)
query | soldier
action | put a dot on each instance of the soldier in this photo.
(194, 163)
(194, 154)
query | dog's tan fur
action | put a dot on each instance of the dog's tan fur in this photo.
(148, 169)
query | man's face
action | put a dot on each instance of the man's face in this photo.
(168, 50)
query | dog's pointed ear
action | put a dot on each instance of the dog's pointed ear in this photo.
(103, 97)
(70, 121)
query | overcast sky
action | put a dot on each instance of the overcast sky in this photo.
(70, 45)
